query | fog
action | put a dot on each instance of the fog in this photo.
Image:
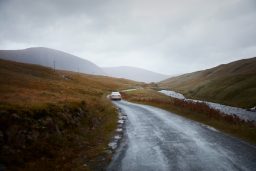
(165, 36)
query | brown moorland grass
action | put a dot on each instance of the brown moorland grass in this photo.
(31, 84)
(200, 112)
(55, 120)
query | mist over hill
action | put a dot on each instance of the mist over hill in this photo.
(50, 57)
(133, 73)
(64, 61)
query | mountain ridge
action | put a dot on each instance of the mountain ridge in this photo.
(50, 57)
(134, 73)
(64, 61)
(231, 84)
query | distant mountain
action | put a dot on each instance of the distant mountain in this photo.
(232, 84)
(133, 73)
(47, 57)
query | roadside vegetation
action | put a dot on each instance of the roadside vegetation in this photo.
(199, 112)
(55, 120)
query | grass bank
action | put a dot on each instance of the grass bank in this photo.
(50, 137)
(55, 120)
(196, 111)
(232, 84)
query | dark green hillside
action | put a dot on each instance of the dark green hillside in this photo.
(232, 84)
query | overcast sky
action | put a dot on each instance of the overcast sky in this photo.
(167, 36)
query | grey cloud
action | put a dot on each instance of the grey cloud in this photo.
(166, 36)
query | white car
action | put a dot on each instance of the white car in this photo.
(115, 96)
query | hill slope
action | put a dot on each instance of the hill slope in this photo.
(133, 73)
(47, 57)
(232, 84)
(54, 120)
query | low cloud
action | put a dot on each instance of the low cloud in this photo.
(166, 36)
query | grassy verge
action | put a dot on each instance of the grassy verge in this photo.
(55, 120)
(50, 137)
(196, 111)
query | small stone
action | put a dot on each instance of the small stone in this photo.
(1, 134)
(15, 116)
(117, 137)
(120, 121)
(119, 130)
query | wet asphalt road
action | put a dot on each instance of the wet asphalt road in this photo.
(159, 140)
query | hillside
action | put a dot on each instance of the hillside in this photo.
(47, 57)
(231, 84)
(133, 73)
(52, 120)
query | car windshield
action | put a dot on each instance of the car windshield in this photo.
(115, 93)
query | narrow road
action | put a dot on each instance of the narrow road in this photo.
(159, 140)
